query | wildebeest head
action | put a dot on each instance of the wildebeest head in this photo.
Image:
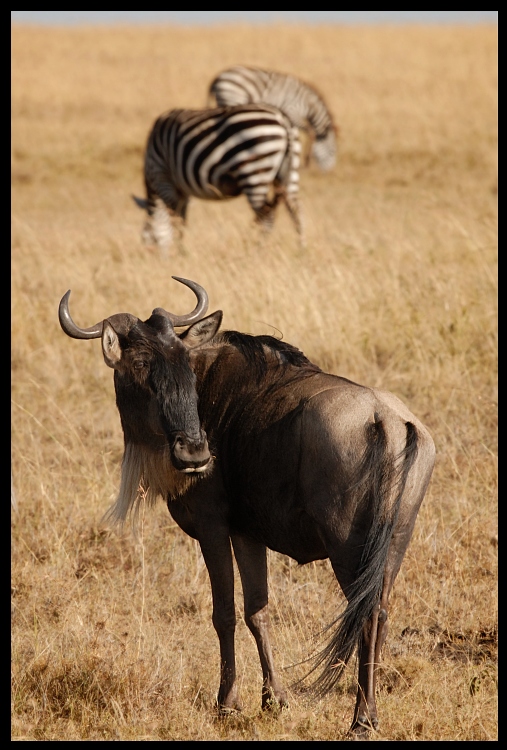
(154, 381)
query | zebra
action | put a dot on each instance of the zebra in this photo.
(300, 101)
(217, 154)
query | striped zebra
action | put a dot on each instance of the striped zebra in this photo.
(217, 154)
(300, 101)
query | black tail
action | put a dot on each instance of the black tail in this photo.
(377, 480)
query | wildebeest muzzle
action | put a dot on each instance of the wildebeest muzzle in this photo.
(190, 455)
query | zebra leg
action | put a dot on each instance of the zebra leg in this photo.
(166, 218)
(181, 210)
(179, 220)
(294, 209)
(263, 207)
(158, 230)
(168, 223)
(309, 147)
(265, 215)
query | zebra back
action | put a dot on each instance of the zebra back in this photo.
(202, 149)
(215, 154)
(299, 100)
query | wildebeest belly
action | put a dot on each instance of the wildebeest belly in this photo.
(284, 528)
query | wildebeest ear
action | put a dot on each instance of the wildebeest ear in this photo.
(141, 202)
(110, 346)
(203, 331)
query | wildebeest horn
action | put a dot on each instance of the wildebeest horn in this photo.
(70, 328)
(196, 314)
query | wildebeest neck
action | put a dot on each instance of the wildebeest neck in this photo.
(249, 380)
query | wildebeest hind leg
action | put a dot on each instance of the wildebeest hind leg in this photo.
(251, 559)
(374, 636)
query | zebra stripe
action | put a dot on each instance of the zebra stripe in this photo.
(300, 101)
(217, 154)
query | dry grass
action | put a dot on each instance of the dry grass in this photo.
(112, 637)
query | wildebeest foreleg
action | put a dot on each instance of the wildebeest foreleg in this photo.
(218, 558)
(251, 559)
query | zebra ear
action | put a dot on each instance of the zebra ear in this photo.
(141, 202)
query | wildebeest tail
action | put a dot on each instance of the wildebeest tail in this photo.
(379, 487)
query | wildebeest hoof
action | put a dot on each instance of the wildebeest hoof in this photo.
(359, 734)
(229, 710)
(274, 704)
(361, 728)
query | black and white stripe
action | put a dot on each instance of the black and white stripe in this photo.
(300, 101)
(216, 154)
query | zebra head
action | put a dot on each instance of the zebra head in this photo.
(324, 149)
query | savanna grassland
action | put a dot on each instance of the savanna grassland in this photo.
(111, 635)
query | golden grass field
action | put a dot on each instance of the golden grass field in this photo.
(111, 635)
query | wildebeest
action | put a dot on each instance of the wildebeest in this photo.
(253, 445)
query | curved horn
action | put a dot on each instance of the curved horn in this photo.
(70, 328)
(196, 314)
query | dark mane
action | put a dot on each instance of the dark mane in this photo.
(257, 349)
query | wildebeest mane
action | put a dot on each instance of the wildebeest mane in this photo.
(253, 349)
